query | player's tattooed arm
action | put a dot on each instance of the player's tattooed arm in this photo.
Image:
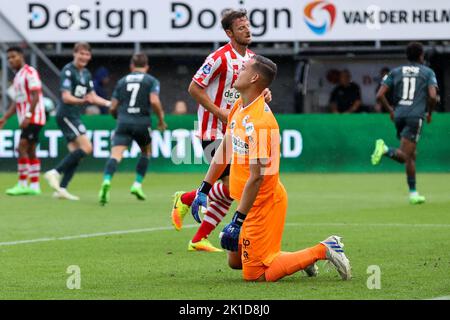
(199, 94)
(221, 159)
(159, 110)
(218, 164)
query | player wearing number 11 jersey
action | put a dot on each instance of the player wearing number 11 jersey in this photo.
(414, 89)
(132, 100)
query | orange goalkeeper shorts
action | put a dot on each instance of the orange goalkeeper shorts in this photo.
(261, 234)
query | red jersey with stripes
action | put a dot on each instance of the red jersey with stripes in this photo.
(26, 80)
(217, 76)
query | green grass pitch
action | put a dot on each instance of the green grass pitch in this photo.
(149, 260)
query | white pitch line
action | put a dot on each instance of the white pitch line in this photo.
(121, 232)
(440, 298)
(91, 235)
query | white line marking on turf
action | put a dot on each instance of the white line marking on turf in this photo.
(92, 235)
(121, 232)
(440, 298)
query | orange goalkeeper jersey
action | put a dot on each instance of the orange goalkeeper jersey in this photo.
(255, 135)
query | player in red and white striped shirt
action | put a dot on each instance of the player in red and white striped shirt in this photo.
(212, 88)
(29, 104)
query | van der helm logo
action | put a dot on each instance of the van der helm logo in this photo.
(320, 16)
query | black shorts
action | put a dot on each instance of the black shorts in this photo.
(71, 128)
(31, 133)
(209, 149)
(126, 133)
(409, 128)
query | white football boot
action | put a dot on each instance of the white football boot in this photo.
(53, 178)
(336, 256)
(64, 194)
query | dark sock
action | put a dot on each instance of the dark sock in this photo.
(68, 175)
(69, 166)
(391, 153)
(72, 159)
(411, 183)
(110, 169)
(141, 169)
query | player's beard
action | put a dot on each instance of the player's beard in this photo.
(244, 41)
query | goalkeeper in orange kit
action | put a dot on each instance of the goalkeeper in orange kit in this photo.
(251, 145)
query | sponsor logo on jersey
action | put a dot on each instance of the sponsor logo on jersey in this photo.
(406, 102)
(240, 146)
(245, 120)
(231, 95)
(67, 83)
(80, 91)
(410, 70)
(135, 77)
(206, 69)
(249, 129)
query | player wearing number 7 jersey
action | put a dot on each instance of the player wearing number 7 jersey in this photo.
(132, 100)
(414, 88)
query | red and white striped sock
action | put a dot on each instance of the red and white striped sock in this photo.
(219, 204)
(22, 169)
(35, 171)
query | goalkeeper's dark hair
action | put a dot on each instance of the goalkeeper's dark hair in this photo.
(15, 49)
(266, 68)
(229, 16)
(414, 51)
(139, 60)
